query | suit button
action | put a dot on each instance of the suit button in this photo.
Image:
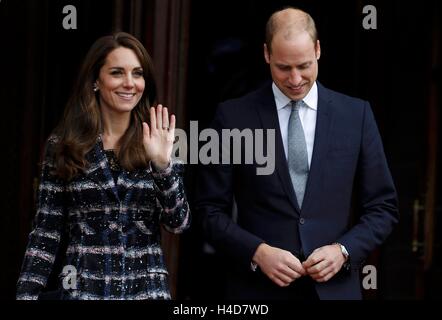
(301, 221)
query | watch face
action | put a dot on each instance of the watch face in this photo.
(344, 251)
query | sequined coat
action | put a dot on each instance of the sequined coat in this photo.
(113, 243)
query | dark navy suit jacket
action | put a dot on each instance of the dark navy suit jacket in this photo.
(348, 159)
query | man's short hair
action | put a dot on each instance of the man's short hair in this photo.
(306, 23)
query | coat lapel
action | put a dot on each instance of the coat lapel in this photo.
(322, 134)
(269, 119)
(99, 170)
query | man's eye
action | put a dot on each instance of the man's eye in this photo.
(304, 66)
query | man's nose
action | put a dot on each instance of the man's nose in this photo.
(295, 77)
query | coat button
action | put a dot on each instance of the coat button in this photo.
(301, 221)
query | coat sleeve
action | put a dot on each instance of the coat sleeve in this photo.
(378, 198)
(171, 197)
(214, 204)
(44, 240)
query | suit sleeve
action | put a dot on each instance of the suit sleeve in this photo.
(214, 204)
(377, 193)
(171, 198)
(44, 240)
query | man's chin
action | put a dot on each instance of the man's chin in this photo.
(297, 96)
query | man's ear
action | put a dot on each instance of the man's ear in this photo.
(318, 50)
(266, 53)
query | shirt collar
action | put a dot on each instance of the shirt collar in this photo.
(311, 99)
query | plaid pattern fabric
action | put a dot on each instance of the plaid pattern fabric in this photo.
(113, 243)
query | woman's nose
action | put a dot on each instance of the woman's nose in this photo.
(128, 81)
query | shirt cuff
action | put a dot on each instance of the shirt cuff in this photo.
(253, 266)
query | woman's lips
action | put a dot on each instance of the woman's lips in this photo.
(125, 96)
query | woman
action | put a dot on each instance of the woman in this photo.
(108, 182)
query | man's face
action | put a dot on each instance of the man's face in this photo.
(293, 64)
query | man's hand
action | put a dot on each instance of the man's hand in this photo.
(324, 262)
(281, 266)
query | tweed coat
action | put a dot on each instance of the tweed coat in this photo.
(113, 230)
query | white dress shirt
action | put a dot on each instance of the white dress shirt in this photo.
(307, 114)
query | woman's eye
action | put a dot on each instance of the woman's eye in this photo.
(138, 74)
(116, 72)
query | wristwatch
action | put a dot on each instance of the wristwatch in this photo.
(345, 253)
(343, 250)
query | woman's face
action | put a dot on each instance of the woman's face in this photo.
(121, 81)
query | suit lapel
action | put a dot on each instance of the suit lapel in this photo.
(269, 119)
(322, 134)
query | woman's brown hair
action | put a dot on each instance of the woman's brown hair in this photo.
(81, 124)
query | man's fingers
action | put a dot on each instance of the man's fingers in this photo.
(310, 262)
(280, 279)
(297, 267)
(313, 259)
(318, 267)
(290, 273)
(284, 278)
(327, 277)
(324, 275)
(279, 282)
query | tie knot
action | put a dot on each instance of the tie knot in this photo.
(296, 104)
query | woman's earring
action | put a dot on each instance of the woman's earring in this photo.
(95, 87)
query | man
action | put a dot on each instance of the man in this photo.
(295, 237)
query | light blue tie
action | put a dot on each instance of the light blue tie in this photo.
(297, 152)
